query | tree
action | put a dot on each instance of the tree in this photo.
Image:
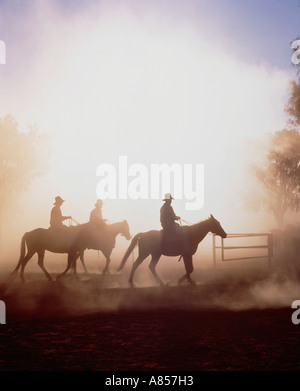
(278, 168)
(279, 174)
(293, 105)
(23, 157)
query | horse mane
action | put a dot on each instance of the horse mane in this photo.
(198, 223)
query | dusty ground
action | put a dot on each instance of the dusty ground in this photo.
(225, 322)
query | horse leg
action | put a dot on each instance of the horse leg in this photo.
(73, 267)
(181, 279)
(106, 269)
(28, 256)
(152, 266)
(190, 280)
(83, 263)
(41, 255)
(188, 263)
(72, 257)
(135, 265)
(107, 254)
(74, 264)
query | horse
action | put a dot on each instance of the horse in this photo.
(150, 243)
(104, 243)
(70, 240)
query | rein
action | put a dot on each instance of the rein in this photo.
(70, 222)
(186, 222)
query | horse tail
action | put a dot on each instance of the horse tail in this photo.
(132, 245)
(22, 252)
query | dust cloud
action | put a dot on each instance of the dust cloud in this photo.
(234, 286)
(193, 90)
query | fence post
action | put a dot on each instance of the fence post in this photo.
(222, 241)
(214, 250)
(270, 249)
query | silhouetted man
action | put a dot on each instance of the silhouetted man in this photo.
(168, 220)
(96, 213)
(56, 218)
(168, 216)
(97, 224)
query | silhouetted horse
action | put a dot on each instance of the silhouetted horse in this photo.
(70, 240)
(150, 243)
(104, 243)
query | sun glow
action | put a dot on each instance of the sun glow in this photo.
(154, 91)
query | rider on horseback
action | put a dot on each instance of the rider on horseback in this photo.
(171, 230)
(96, 213)
(97, 223)
(56, 219)
(168, 216)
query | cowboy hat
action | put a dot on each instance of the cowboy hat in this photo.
(58, 200)
(168, 196)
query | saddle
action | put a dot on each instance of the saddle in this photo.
(173, 242)
(60, 230)
(97, 235)
(62, 236)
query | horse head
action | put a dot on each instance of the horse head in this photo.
(124, 230)
(216, 228)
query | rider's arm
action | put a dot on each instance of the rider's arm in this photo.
(173, 215)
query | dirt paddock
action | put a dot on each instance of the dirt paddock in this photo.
(85, 324)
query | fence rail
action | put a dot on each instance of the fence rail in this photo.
(268, 246)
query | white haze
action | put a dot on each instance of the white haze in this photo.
(105, 82)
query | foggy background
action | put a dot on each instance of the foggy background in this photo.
(157, 82)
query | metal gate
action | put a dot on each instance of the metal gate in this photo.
(268, 246)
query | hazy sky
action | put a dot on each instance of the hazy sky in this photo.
(158, 81)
